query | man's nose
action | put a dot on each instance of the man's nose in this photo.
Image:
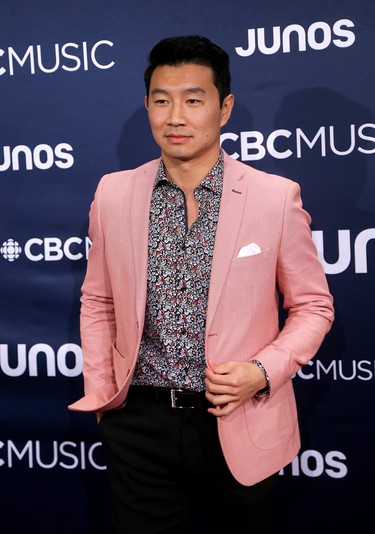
(176, 115)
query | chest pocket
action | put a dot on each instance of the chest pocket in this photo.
(250, 270)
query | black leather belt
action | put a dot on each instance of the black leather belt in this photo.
(175, 398)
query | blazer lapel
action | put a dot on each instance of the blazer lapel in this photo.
(231, 211)
(140, 207)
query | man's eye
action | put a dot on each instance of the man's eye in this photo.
(193, 101)
(161, 101)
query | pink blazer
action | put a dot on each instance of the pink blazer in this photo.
(261, 436)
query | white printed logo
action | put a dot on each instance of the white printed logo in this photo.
(69, 57)
(48, 455)
(347, 370)
(313, 464)
(10, 250)
(345, 246)
(254, 145)
(66, 361)
(47, 249)
(42, 157)
(318, 36)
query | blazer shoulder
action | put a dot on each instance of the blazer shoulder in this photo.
(258, 178)
(147, 169)
(124, 177)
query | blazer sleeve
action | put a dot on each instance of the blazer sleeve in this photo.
(307, 299)
(97, 319)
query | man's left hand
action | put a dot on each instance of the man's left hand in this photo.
(230, 384)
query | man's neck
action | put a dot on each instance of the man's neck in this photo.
(188, 174)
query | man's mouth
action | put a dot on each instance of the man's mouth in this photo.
(178, 138)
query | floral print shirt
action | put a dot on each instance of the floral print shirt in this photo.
(172, 350)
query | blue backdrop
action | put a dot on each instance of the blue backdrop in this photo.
(71, 89)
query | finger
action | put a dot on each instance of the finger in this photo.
(221, 389)
(215, 411)
(214, 377)
(221, 368)
(221, 399)
(218, 379)
(210, 365)
(222, 411)
(210, 374)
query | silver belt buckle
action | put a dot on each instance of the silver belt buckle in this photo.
(174, 400)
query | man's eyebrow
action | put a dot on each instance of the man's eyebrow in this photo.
(195, 90)
(188, 90)
(158, 91)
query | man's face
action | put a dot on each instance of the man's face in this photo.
(185, 114)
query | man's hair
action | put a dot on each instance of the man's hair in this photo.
(195, 49)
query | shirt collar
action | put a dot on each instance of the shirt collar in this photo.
(213, 180)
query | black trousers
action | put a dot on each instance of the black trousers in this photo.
(167, 474)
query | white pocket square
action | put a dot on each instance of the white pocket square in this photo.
(249, 250)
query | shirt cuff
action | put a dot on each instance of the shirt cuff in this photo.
(267, 390)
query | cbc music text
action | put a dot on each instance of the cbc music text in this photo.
(282, 143)
(48, 455)
(295, 38)
(345, 370)
(47, 59)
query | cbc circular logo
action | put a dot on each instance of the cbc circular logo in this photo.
(10, 250)
(47, 249)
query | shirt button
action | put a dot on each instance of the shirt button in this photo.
(183, 246)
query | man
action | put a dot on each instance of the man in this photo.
(179, 321)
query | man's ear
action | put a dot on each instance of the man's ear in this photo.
(146, 102)
(226, 109)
